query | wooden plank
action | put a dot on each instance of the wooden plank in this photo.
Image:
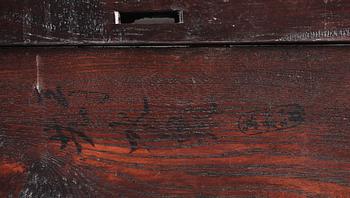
(92, 22)
(203, 122)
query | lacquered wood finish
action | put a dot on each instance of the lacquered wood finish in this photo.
(175, 122)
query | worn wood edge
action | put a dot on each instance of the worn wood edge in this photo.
(227, 22)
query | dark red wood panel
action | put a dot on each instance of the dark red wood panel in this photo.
(203, 122)
(91, 22)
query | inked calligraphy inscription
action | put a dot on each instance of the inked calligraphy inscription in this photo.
(62, 99)
(67, 131)
(132, 125)
(56, 95)
(70, 132)
(192, 122)
(94, 96)
(272, 119)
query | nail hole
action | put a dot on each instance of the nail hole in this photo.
(157, 17)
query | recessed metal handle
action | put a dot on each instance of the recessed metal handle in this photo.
(152, 17)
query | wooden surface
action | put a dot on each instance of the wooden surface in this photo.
(91, 22)
(175, 122)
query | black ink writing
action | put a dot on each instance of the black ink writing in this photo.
(91, 95)
(56, 95)
(70, 132)
(131, 132)
(273, 119)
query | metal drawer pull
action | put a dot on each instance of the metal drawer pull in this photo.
(154, 17)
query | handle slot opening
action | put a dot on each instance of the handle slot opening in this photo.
(156, 17)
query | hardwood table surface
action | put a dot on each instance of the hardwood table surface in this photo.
(175, 122)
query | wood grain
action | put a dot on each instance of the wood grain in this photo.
(173, 122)
(91, 22)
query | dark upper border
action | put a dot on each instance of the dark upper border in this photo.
(91, 22)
